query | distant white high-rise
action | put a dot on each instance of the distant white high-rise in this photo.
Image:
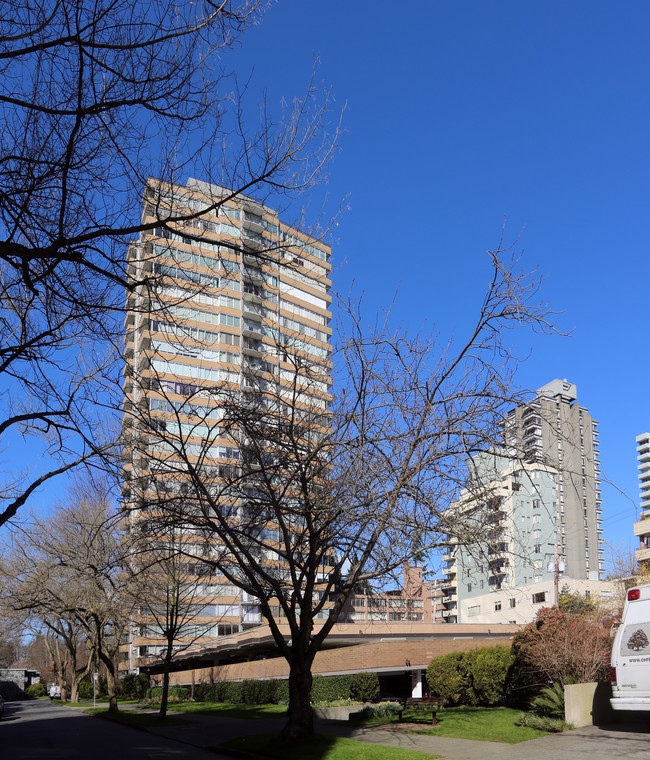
(642, 527)
(539, 507)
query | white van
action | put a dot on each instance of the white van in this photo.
(630, 670)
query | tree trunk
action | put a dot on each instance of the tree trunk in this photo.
(301, 716)
(165, 691)
(111, 686)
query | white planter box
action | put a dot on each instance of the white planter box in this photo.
(337, 713)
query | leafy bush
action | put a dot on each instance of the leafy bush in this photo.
(333, 703)
(86, 689)
(36, 690)
(364, 687)
(233, 692)
(135, 687)
(447, 678)
(251, 692)
(207, 692)
(486, 672)
(477, 677)
(275, 691)
(259, 692)
(330, 688)
(549, 702)
(565, 647)
(380, 710)
(175, 694)
(282, 692)
(543, 723)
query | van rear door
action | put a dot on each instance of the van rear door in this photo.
(631, 650)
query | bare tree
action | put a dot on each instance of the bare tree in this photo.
(96, 96)
(66, 577)
(318, 497)
(168, 597)
(565, 646)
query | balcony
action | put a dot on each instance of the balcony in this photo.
(253, 347)
(253, 222)
(642, 555)
(249, 308)
(642, 528)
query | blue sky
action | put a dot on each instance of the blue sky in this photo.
(458, 114)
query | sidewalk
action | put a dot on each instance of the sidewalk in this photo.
(590, 743)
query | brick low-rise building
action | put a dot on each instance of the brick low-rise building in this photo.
(398, 653)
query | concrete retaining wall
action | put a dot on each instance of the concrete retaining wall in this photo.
(587, 704)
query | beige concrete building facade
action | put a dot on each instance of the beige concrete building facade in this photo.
(642, 527)
(235, 291)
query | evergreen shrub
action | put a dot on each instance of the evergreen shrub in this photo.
(476, 677)
(134, 687)
(175, 693)
(330, 688)
(487, 673)
(36, 690)
(447, 678)
(233, 692)
(364, 687)
(86, 689)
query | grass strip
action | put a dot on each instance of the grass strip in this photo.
(321, 747)
(489, 724)
(227, 710)
(136, 719)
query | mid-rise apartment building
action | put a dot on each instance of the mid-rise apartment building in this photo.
(642, 527)
(416, 600)
(240, 297)
(532, 517)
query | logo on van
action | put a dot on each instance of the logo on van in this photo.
(638, 640)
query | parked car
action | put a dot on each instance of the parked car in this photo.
(2, 706)
(55, 692)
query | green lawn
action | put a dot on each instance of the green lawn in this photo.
(490, 724)
(322, 747)
(137, 719)
(227, 710)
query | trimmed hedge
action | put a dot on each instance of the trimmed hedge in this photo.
(330, 688)
(362, 687)
(175, 694)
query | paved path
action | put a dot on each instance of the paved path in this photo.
(627, 741)
(580, 744)
(206, 732)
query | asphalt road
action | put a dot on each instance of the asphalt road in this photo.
(43, 730)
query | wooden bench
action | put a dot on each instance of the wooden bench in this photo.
(431, 705)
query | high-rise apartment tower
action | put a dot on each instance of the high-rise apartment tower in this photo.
(642, 527)
(553, 429)
(237, 296)
(533, 515)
